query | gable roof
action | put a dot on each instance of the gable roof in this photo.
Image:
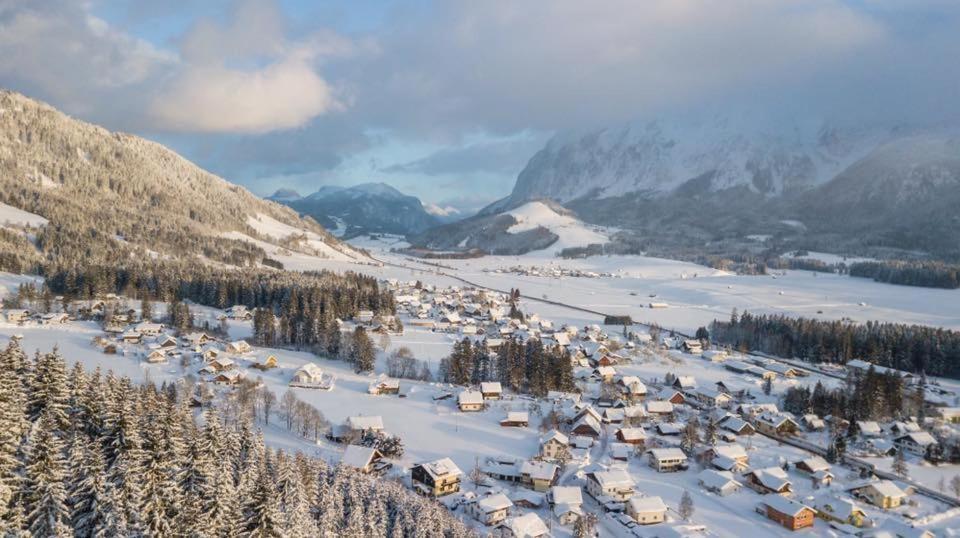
(441, 467)
(647, 504)
(358, 456)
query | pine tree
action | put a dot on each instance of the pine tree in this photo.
(899, 466)
(262, 517)
(685, 510)
(89, 505)
(44, 490)
(362, 353)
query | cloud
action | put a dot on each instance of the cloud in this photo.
(246, 77)
(500, 156)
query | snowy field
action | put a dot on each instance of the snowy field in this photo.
(11, 216)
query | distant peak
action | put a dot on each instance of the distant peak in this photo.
(285, 194)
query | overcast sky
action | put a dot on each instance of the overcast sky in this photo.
(447, 100)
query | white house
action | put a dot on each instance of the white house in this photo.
(490, 509)
(720, 482)
(667, 459)
(615, 484)
(647, 510)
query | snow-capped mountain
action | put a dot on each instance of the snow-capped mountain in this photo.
(658, 157)
(365, 208)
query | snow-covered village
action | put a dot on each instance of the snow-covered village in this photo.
(452, 269)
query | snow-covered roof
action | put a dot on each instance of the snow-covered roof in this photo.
(566, 494)
(468, 397)
(517, 416)
(613, 478)
(560, 437)
(491, 386)
(885, 488)
(784, 505)
(441, 467)
(632, 434)
(528, 525)
(920, 438)
(539, 470)
(493, 503)
(713, 479)
(659, 406)
(358, 456)
(647, 504)
(374, 422)
(669, 453)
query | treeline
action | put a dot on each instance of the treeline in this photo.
(90, 455)
(913, 348)
(867, 396)
(530, 367)
(927, 274)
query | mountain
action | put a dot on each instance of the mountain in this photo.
(365, 208)
(110, 194)
(284, 195)
(693, 181)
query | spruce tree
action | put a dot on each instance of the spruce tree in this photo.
(44, 494)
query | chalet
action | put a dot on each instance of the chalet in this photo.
(230, 377)
(156, 357)
(869, 428)
(167, 342)
(727, 457)
(692, 346)
(219, 365)
(490, 509)
(666, 460)
(659, 407)
(384, 385)
(525, 498)
(672, 395)
(516, 419)
(715, 355)
(238, 347)
(613, 484)
(364, 458)
(816, 468)
(776, 424)
(788, 513)
(720, 482)
(669, 428)
(684, 383)
(882, 494)
(587, 425)
(785, 370)
(901, 427)
(110, 348)
(830, 508)
(604, 373)
(647, 510)
(308, 374)
(621, 451)
(631, 436)
(613, 415)
(506, 469)
(768, 480)
(131, 337)
(554, 445)
(915, 442)
(738, 426)
(712, 398)
(470, 401)
(196, 339)
(632, 388)
(148, 329)
(17, 316)
(436, 478)
(538, 475)
(528, 525)
(566, 502)
(491, 390)
(268, 363)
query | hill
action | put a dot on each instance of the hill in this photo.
(110, 194)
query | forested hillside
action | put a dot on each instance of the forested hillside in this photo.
(91, 455)
(111, 194)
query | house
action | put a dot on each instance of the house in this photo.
(196, 339)
(268, 363)
(527, 499)
(384, 385)
(470, 400)
(813, 423)
(727, 457)
(882, 494)
(156, 357)
(842, 511)
(684, 383)
(712, 397)
(869, 428)
(915, 442)
(362, 423)
(219, 365)
(632, 388)
(621, 451)
(776, 425)
(566, 502)
(768, 480)
(554, 445)
(788, 513)
(17, 316)
(659, 407)
(436, 478)
(366, 459)
(632, 436)
(613, 415)
(647, 510)
(528, 525)
(738, 426)
(491, 390)
(669, 428)
(148, 329)
(490, 509)
(239, 312)
(238, 347)
(308, 374)
(614, 484)
(538, 475)
(666, 460)
(230, 377)
(587, 425)
(131, 337)
(720, 482)
(604, 373)
(817, 469)
(516, 419)
(672, 395)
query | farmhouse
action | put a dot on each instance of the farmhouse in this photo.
(516, 419)
(788, 513)
(632, 436)
(667, 459)
(364, 458)
(915, 442)
(490, 509)
(554, 445)
(436, 478)
(384, 385)
(131, 337)
(470, 400)
(588, 424)
(239, 312)
(647, 510)
(614, 484)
